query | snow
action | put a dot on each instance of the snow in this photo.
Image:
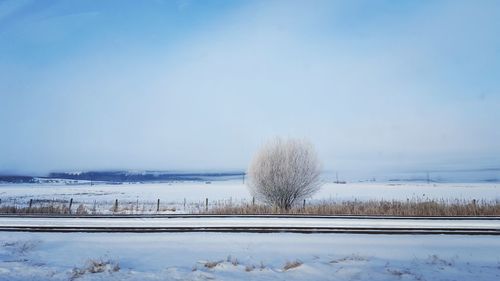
(183, 256)
(237, 191)
(250, 222)
(245, 256)
(186, 197)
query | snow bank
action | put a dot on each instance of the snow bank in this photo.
(216, 256)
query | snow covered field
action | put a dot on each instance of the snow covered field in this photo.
(217, 256)
(189, 197)
(236, 190)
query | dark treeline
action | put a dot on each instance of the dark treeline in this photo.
(17, 179)
(124, 176)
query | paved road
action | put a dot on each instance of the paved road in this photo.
(472, 226)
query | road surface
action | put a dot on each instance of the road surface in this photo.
(300, 224)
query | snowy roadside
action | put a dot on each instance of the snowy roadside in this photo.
(217, 256)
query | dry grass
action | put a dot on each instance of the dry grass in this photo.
(233, 261)
(52, 208)
(410, 207)
(61, 207)
(45, 209)
(81, 210)
(212, 264)
(390, 208)
(292, 264)
(353, 257)
(95, 266)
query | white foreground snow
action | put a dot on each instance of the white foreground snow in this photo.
(217, 256)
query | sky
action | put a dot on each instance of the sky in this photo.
(200, 85)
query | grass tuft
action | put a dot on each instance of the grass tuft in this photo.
(95, 266)
(292, 264)
(212, 264)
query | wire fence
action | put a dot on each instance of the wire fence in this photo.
(408, 207)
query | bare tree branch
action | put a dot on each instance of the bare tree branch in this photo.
(283, 172)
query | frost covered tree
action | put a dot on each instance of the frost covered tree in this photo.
(283, 172)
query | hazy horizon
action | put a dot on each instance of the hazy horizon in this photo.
(200, 85)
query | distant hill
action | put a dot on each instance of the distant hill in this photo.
(147, 176)
(124, 176)
(17, 179)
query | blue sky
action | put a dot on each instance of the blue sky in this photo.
(374, 85)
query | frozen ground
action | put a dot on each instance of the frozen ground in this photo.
(236, 190)
(186, 197)
(216, 256)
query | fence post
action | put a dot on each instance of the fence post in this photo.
(70, 204)
(206, 204)
(116, 205)
(158, 205)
